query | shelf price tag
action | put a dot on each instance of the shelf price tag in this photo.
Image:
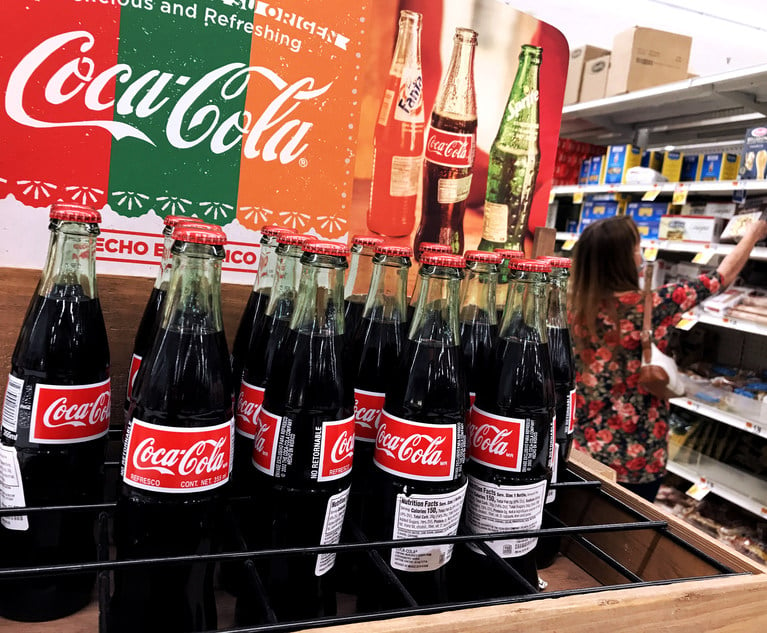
(754, 428)
(568, 245)
(651, 194)
(650, 254)
(704, 257)
(577, 195)
(687, 322)
(699, 489)
(680, 193)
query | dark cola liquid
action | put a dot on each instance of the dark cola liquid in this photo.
(307, 386)
(250, 329)
(477, 338)
(429, 386)
(62, 341)
(517, 384)
(185, 382)
(443, 222)
(354, 306)
(148, 326)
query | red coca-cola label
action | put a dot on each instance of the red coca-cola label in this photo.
(496, 441)
(266, 436)
(248, 408)
(367, 414)
(571, 411)
(65, 414)
(178, 460)
(135, 363)
(416, 450)
(336, 449)
(450, 148)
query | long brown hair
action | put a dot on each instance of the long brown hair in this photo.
(603, 264)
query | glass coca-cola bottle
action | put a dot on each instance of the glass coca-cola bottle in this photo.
(421, 443)
(511, 436)
(177, 452)
(306, 448)
(501, 286)
(563, 365)
(478, 317)
(375, 356)
(252, 321)
(450, 147)
(54, 428)
(398, 137)
(358, 280)
(423, 248)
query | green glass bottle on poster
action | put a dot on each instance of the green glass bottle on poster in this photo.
(514, 158)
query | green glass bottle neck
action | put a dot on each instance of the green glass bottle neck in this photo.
(526, 307)
(320, 305)
(267, 263)
(287, 275)
(557, 312)
(478, 293)
(70, 266)
(387, 299)
(360, 271)
(436, 312)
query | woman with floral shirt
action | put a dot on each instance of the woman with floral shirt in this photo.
(618, 421)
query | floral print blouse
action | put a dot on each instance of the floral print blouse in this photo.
(617, 421)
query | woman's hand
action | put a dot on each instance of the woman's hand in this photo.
(757, 231)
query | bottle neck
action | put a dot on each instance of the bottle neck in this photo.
(436, 311)
(320, 306)
(478, 293)
(267, 262)
(520, 119)
(407, 51)
(387, 300)
(194, 294)
(360, 271)
(70, 267)
(557, 312)
(456, 92)
(526, 303)
(287, 274)
(166, 262)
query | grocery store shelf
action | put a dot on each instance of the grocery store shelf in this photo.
(742, 325)
(713, 187)
(756, 427)
(709, 109)
(734, 485)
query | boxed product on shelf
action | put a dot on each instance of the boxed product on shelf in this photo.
(593, 210)
(652, 159)
(583, 176)
(738, 225)
(718, 304)
(643, 57)
(719, 166)
(720, 209)
(689, 228)
(620, 158)
(691, 167)
(672, 165)
(597, 170)
(594, 82)
(753, 161)
(578, 58)
(571, 156)
(647, 217)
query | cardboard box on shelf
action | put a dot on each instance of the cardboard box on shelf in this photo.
(753, 161)
(720, 209)
(672, 165)
(583, 177)
(690, 228)
(647, 217)
(643, 57)
(593, 210)
(597, 170)
(652, 159)
(620, 158)
(720, 166)
(691, 167)
(578, 58)
(594, 80)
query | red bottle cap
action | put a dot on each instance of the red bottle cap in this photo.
(509, 254)
(199, 234)
(557, 262)
(483, 257)
(327, 248)
(71, 212)
(434, 247)
(272, 230)
(530, 265)
(394, 251)
(294, 239)
(367, 240)
(443, 259)
(173, 220)
(196, 222)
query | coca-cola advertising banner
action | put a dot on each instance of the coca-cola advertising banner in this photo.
(239, 112)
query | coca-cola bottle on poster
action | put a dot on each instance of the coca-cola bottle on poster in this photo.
(376, 351)
(478, 317)
(502, 284)
(305, 446)
(450, 147)
(54, 427)
(150, 319)
(398, 137)
(514, 158)
(511, 438)
(177, 451)
(358, 280)
(421, 443)
(423, 248)
(252, 321)
(563, 365)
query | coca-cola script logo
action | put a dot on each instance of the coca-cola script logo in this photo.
(336, 449)
(266, 435)
(496, 441)
(415, 450)
(450, 148)
(178, 460)
(248, 408)
(269, 134)
(367, 414)
(135, 364)
(65, 414)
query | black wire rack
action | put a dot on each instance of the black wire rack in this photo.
(582, 535)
